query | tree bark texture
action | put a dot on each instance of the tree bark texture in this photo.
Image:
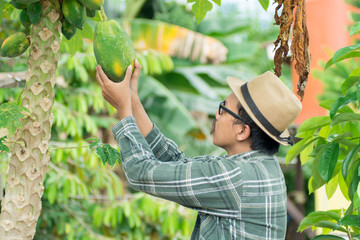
(21, 205)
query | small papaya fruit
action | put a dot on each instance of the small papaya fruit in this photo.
(67, 29)
(14, 45)
(18, 5)
(24, 18)
(34, 11)
(92, 4)
(113, 49)
(153, 62)
(90, 12)
(74, 12)
(142, 61)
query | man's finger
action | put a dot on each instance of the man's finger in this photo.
(103, 76)
(98, 78)
(128, 74)
(137, 70)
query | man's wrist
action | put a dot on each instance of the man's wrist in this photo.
(124, 112)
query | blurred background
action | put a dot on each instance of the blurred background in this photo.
(181, 85)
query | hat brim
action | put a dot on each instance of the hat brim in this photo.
(235, 85)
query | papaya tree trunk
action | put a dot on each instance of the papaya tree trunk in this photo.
(21, 205)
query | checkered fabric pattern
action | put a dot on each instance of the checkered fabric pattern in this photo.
(237, 197)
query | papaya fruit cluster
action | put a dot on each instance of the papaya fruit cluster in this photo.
(75, 13)
(154, 63)
(17, 43)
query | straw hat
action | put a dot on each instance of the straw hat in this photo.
(269, 103)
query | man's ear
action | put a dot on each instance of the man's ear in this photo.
(242, 132)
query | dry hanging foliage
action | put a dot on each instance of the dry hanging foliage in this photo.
(300, 40)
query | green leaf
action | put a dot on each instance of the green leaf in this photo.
(264, 4)
(355, 29)
(327, 104)
(350, 220)
(317, 180)
(218, 2)
(3, 147)
(348, 159)
(51, 194)
(200, 8)
(106, 153)
(327, 237)
(344, 53)
(328, 160)
(356, 199)
(86, 32)
(343, 187)
(2, 7)
(165, 109)
(318, 216)
(313, 124)
(10, 116)
(331, 186)
(342, 101)
(74, 45)
(358, 92)
(348, 83)
(305, 153)
(345, 117)
(295, 150)
(355, 181)
(330, 225)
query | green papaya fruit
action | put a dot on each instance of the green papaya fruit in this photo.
(24, 18)
(113, 49)
(67, 29)
(18, 5)
(14, 45)
(92, 4)
(74, 12)
(90, 12)
(34, 11)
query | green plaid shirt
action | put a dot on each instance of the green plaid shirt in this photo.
(237, 197)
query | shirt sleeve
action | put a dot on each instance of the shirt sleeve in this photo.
(201, 183)
(163, 148)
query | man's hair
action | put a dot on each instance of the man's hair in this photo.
(259, 139)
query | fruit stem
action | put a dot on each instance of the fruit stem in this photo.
(103, 15)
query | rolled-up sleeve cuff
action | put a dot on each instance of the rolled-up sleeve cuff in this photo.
(152, 136)
(126, 124)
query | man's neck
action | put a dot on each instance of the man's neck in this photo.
(238, 149)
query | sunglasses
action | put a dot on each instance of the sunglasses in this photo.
(222, 108)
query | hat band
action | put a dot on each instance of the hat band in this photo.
(259, 116)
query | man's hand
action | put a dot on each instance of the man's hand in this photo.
(117, 94)
(135, 80)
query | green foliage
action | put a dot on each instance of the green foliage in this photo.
(201, 7)
(10, 116)
(175, 13)
(334, 150)
(3, 147)
(107, 153)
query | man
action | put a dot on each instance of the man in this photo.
(241, 195)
